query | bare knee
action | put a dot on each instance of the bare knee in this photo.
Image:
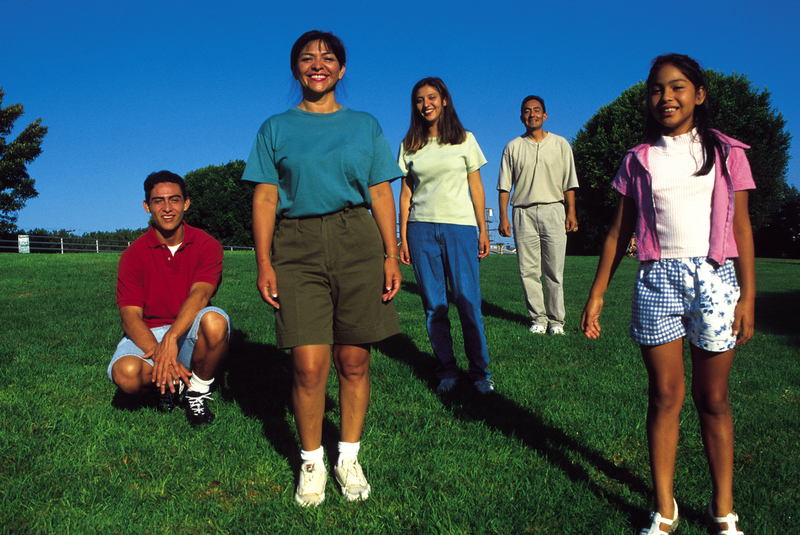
(214, 328)
(352, 362)
(667, 396)
(129, 374)
(714, 403)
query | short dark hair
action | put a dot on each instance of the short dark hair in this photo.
(159, 177)
(333, 43)
(532, 97)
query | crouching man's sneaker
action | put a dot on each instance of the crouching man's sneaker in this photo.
(351, 479)
(311, 486)
(197, 411)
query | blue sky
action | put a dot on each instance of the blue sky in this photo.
(127, 88)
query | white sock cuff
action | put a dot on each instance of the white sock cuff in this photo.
(200, 385)
(313, 455)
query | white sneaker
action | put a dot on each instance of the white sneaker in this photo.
(311, 486)
(351, 479)
(537, 329)
(556, 329)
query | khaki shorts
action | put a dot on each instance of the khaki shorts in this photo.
(329, 271)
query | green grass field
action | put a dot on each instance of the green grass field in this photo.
(560, 448)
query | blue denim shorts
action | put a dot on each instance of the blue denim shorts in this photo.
(677, 297)
(185, 343)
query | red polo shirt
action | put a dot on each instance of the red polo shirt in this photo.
(151, 277)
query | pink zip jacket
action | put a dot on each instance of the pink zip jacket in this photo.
(634, 180)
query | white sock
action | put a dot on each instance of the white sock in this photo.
(348, 450)
(314, 455)
(200, 385)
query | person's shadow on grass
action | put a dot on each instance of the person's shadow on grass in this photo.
(506, 416)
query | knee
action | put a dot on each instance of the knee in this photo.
(310, 376)
(127, 374)
(667, 396)
(714, 403)
(214, 328)
(352, 363)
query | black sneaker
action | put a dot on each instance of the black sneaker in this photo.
(166, 401)
(196, 405)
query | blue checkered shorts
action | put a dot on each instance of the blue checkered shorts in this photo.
(677, 297)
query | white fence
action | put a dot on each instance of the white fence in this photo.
(52, 244)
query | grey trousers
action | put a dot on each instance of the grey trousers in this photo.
(541, 239)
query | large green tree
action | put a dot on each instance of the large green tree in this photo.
(221, 204)
(738, 110)
(16, 186)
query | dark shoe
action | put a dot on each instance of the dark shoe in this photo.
(484, 386)
(196, 405)
(446, 385)
(166, 401)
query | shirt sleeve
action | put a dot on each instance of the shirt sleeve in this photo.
(130, 284)
(475, 157)
(261, 165)
(505, 178)
(622, 181)
(209, 263)
(739, 169)
(384, 166)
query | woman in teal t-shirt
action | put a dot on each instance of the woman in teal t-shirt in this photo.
(443, 227)
(327, 266)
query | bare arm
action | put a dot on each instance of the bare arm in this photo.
(265, 204)
(505, 225)
(614, 247)
(383, 213)
(165, 353)
(744, 316)
(572, 218)
(479, 205)
(405, 207)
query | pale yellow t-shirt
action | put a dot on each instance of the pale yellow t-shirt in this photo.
(440, 190)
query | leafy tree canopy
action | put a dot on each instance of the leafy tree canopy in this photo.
(221, 204)
(738, 110)
(16, 187)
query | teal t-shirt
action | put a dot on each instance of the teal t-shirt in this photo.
(321, 162)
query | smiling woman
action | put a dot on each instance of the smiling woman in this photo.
(327, 265)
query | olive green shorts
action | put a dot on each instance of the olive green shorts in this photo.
(330, 278)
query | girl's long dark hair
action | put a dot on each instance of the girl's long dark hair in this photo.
(451, 132)
(702, 113)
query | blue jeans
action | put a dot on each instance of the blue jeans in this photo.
(443, 253)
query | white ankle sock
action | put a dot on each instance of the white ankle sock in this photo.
(313, 455)
(348, 450)
(200, 385)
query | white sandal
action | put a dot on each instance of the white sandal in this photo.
(730, 520)
(656, 520)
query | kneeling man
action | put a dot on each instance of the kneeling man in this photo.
(173, 337)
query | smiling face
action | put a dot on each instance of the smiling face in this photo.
(533, 115)
(671, 98)
(429, 104)
(318, 70)
(167, 206)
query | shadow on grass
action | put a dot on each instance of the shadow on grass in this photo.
(259, 380)
(775, 313)
(496, 411)
(487, 309)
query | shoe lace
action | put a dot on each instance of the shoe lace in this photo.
(352, 475)
(311, 479)
(197, 404)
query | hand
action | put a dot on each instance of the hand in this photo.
(590, 324)
(267, 284)
(572, 223)
(743, 322)
(392, 278)
(483, 245)
(405, 255)
(505, 228)
(167, 371)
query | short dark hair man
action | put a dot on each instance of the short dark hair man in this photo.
(539, 167)
(164, 283)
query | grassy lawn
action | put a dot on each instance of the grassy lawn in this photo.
(560, 447)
